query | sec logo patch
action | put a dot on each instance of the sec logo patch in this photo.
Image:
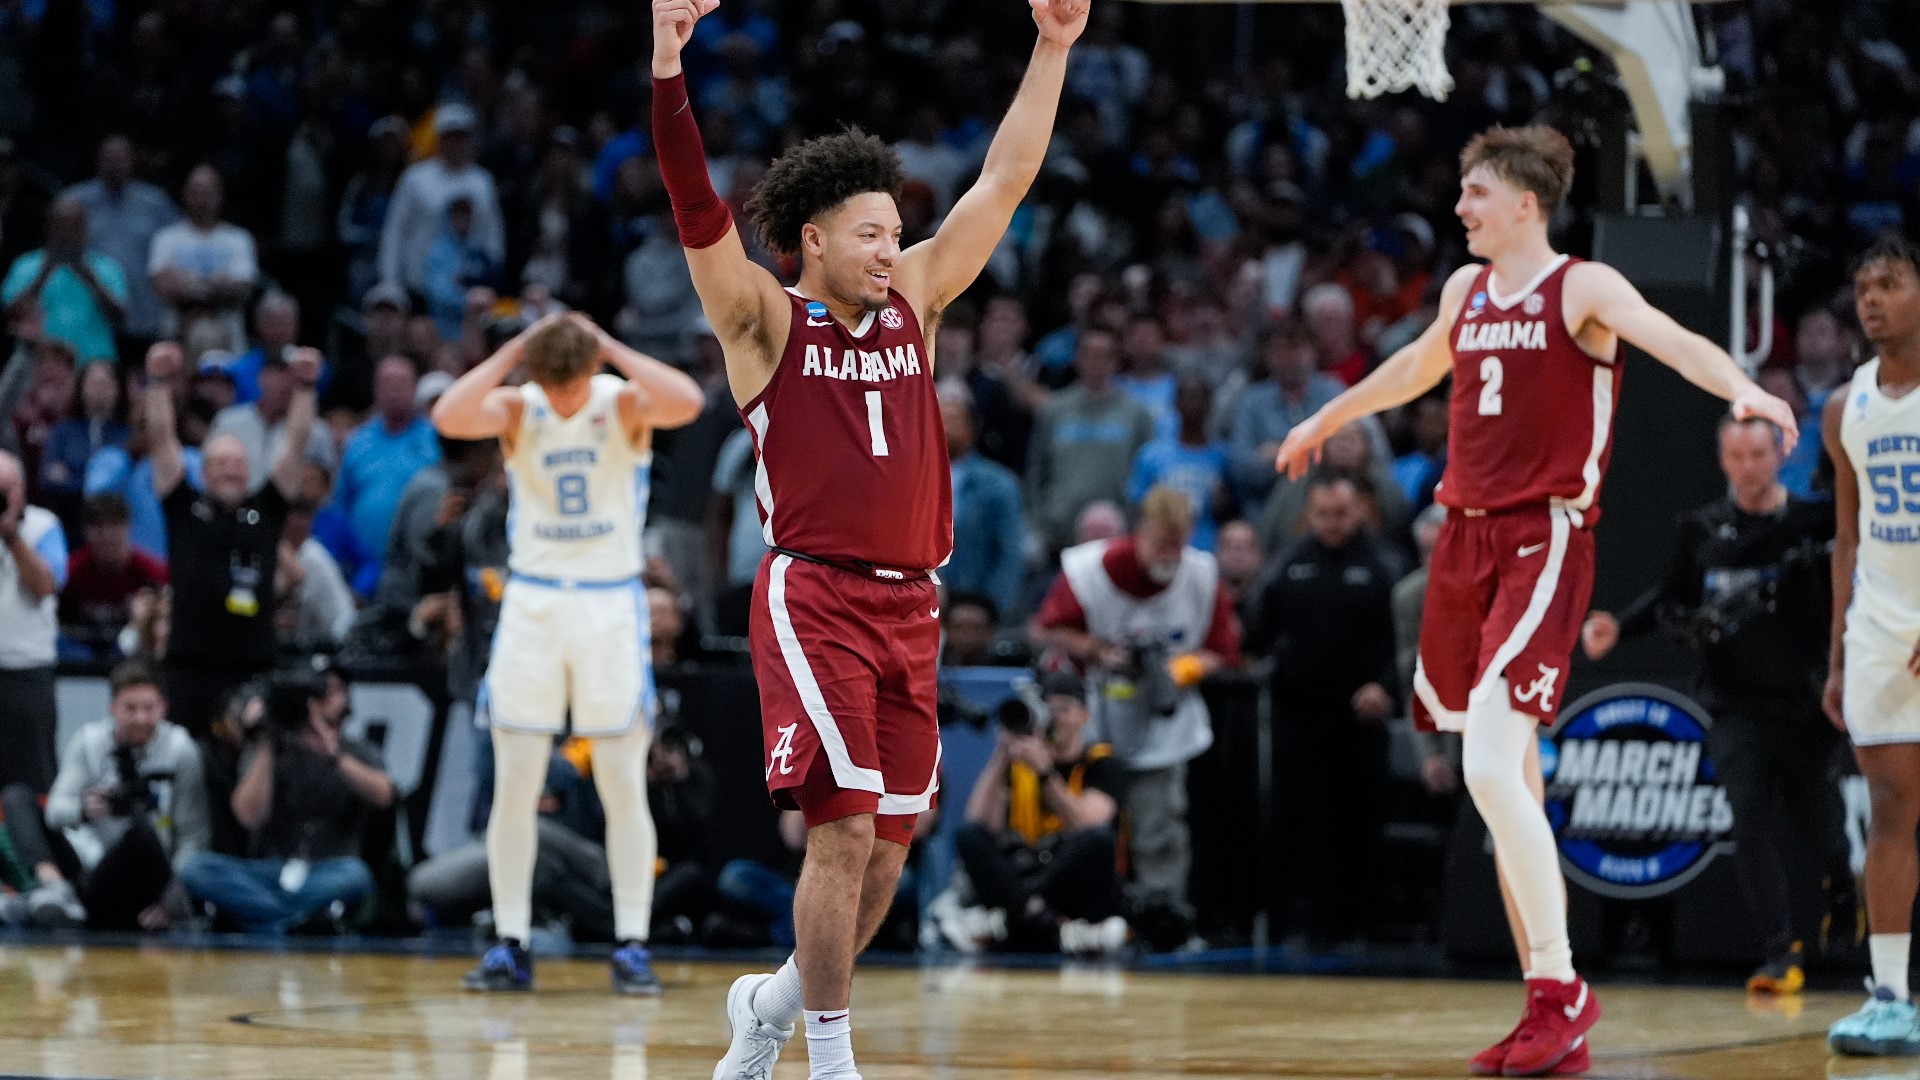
(891, 319)
(1535, 304)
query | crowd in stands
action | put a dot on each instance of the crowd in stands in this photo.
(244, 246)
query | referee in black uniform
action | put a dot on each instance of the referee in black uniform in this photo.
(222, 543)
(1748, 589)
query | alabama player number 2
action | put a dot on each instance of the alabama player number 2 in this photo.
(1491, 376)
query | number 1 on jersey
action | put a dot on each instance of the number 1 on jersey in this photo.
(876, 427)
(1491, 376)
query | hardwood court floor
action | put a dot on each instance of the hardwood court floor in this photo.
(153, 1012)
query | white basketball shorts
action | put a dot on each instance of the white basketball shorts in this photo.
(583, 647)
(1882, 702)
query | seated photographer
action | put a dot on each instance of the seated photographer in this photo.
(1038, 844)
(1748, 588)
(127, 806)
(304, 796)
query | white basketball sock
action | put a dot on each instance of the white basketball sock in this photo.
(1890, 958)
(620, 775)
(519, 772)
(1493, 763)
(777, 1002)
(830, 1044)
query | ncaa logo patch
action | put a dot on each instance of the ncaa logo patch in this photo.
(1479, 300)
(1633, 798)
(1535, 304)
(891, 319)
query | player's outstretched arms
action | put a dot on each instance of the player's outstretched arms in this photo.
(1846, 547)
(657, 394)
(1598, 292)
(934, 271)
(477, 406)
(741, 299)
(1417, 368)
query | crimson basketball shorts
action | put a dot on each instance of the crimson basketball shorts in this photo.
(847, 665)
(1507, 592)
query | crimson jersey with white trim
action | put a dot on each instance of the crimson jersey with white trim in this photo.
(852, 454)
(1532, 413)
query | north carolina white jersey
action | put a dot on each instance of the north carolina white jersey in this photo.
(1881, 435)
(579, 491)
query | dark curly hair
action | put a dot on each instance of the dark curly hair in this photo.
(815, 177)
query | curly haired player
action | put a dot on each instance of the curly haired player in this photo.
(835, 379)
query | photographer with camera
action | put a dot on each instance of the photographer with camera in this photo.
(1747, 588)
(304, 796)
(1146, 618)
(1038, 844)
(129, 805)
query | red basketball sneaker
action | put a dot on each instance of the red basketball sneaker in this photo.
(1554, 1028)
(1493, 1060)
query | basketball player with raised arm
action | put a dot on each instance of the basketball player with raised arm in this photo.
(573, 635)
(835, 379)
(1532, 340)
(1872, 431)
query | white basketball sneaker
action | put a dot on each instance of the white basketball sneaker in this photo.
(754, 1045)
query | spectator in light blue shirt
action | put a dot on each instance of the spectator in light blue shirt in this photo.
(124, 214)
(988, 534)
(81, 294)
(1144, 376)
(115, 469)
(1190, 463)
(383, 454)
(1269, 409)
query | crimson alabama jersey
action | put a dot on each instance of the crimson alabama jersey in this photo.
(1532, 413)
(852, 454)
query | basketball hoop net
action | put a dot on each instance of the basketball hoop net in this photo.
(1395, 45)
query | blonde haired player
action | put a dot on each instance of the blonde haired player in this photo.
(1532, 340)
(573, 631)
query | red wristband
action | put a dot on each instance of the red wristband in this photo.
(698, 211)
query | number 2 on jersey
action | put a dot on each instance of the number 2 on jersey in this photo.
(1491, 376)
(572, 491)
(876, 425)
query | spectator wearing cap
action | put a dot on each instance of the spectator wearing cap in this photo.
(364, 202)
(381, 330)
(383, 454)
(1039, 841)
(124, 215)
(103, 577)
(456, 264)
(261, 424)
(79, 293)
(204, 265)
(33, 567)
(989, 534)
(418, 212)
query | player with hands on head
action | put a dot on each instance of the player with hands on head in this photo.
(573, 636)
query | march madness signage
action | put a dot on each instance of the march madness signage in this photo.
(1631, 794)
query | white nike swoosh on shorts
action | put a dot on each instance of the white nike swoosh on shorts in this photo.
(1530, 550)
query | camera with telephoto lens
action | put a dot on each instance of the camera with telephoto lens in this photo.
(131, 795)
(287, 696)
(1146, 678)
(1026, 712)
(1747, 594)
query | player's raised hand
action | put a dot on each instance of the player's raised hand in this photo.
(1060, 21)
(1301, 450)
(672, 28)
(1754, 403)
